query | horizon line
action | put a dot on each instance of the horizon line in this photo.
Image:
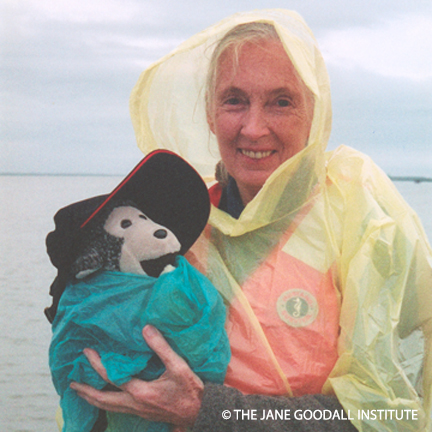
(416, 179)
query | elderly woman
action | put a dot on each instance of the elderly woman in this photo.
(326, 271)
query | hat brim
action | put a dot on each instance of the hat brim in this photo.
(169, 191)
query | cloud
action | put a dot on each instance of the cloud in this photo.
(82, 10)
(138, 52)
(399, 48)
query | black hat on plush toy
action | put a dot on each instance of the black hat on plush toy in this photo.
(163, 186)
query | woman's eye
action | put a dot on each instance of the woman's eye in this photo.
(283, 102)
(125, 223)
(233, 101)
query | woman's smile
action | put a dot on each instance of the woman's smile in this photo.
(256, 154)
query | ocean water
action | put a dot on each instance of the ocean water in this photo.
(28, 401)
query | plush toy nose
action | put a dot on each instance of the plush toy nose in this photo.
(160, 233)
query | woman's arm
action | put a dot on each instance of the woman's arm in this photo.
(180, 398)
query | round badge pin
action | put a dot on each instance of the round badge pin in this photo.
(297, 307)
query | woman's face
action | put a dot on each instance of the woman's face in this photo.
(261, 113)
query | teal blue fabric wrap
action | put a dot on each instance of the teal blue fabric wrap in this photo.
(107, 312)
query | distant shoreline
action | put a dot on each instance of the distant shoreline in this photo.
(410, 178)
(415, 179)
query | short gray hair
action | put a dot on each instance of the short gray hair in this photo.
(235, 39)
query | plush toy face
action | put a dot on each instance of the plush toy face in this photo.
(143, 239)
(129, 242)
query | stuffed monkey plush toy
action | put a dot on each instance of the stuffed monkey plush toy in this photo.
(120, 267)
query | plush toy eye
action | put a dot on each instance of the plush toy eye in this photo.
(143, 217)
(125, 223)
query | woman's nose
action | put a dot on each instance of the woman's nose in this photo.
(255, 123)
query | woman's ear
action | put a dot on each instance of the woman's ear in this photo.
(210, 122)
(210, 116)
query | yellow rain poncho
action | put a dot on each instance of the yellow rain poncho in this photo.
(327, 271)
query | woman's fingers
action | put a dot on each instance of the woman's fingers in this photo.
(175, 397)
(94, 358)
(161, 347)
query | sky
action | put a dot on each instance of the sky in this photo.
(67, 68)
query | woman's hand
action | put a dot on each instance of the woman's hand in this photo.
(175, 397)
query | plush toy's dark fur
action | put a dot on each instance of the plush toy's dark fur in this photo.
(102, 252)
